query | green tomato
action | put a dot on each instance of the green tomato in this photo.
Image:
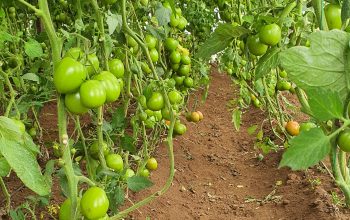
(306, 126)
(175, 57)
(174, 20)
(152, 163)
(270, 34)
(156, 101)
(182, 23)
(175, 97)
(179, 80)
(129, 173)
(343, 140)
(65, 210)
(92, 94)
(32, 132)
(116, 67)
(283, 85)
(92, 64)
(283, 74)
(178, 11)
(143, 101)
(69, 75)
(255, 47)
(171, 44)
(149, 113)
(179, 129)
(145, 68)
(144, 2)
(143, 116)
(110, 84)
(144, 173)
(75, 52)
(175, 66)
(185, 59)
(131, 41)
(94, 150)
(150, 41)
(165, 113)
(73, 103)
(256, 103)
(333, 16)
(184, 70)
(154, 55)
(115, 162)
(94, 203)
(188, 82)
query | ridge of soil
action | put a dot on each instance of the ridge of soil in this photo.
(218, 175)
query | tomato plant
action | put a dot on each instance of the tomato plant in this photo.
(94, 203)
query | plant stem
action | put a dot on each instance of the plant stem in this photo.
(317, 5)
(286, 12)
(6, 194)
(12, 95)
(100, 137)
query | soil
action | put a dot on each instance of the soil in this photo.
(218, 174)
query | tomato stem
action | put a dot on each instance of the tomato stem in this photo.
(6, 194)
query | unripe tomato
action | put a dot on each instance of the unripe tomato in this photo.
(255, 46)
(283, 85)
(175, 97)
(178, 11)
(94, 150)
(94, 203)
(65, 210)
(175, 66)
(131, 41)
(32, 132)
(69, 75)
(166, 113)
(110, 84)
(92, 64)
(195, 117)
(152, 163)
(182, 23)
(75, 52)
(171, 44)
(188, 82)
(179, 80)
(143, 116)
(184, 70)
(293, 128)
(174, 20)
(200, 115)
(283, 74)
(179, 129)
(343, 140)
(333, 16)
(116, 67)
(154, 55)
(151, 41)
(145, 68)
(185, 59)
(175, 57)
(144, 173)
(143, 101)
(158, 115)
(115, 162)
(306, 126)
(256, 103)
(156, 101)
(270, 34)
(92, 94)
(129, 173)
(144, 2)
(73, 103)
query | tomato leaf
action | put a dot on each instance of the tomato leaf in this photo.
(114, 22)
(33, 48)
(345, 11)
(116, 197)
(347, 67)
(17, 148)
(306, 150)
(220, 39)
(138, 183)
(236, 119)
(162, 14)
(127, 143)
(325, 104)
(118, 119)
(321, 65)
(4, 167)
(31, 77)
(267, 62)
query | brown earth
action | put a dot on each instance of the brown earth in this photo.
(218, 175)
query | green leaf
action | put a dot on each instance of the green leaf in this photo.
(33, 48)
(118, 119)
(236, 119)
(252, 129)
(306, 150)
(220, 39)
(114, 22)
(267, 62)
(325, 104)
(4, 167)
(17, 149)
(49, 169)
(162, 14)
(156, 32)
(116, 197)
(321, 65)
(345, 11)
(138, 183)
(127, 143)
(31, 77)
(4, 36)
(347, 67)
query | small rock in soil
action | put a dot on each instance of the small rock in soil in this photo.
(285, 202)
